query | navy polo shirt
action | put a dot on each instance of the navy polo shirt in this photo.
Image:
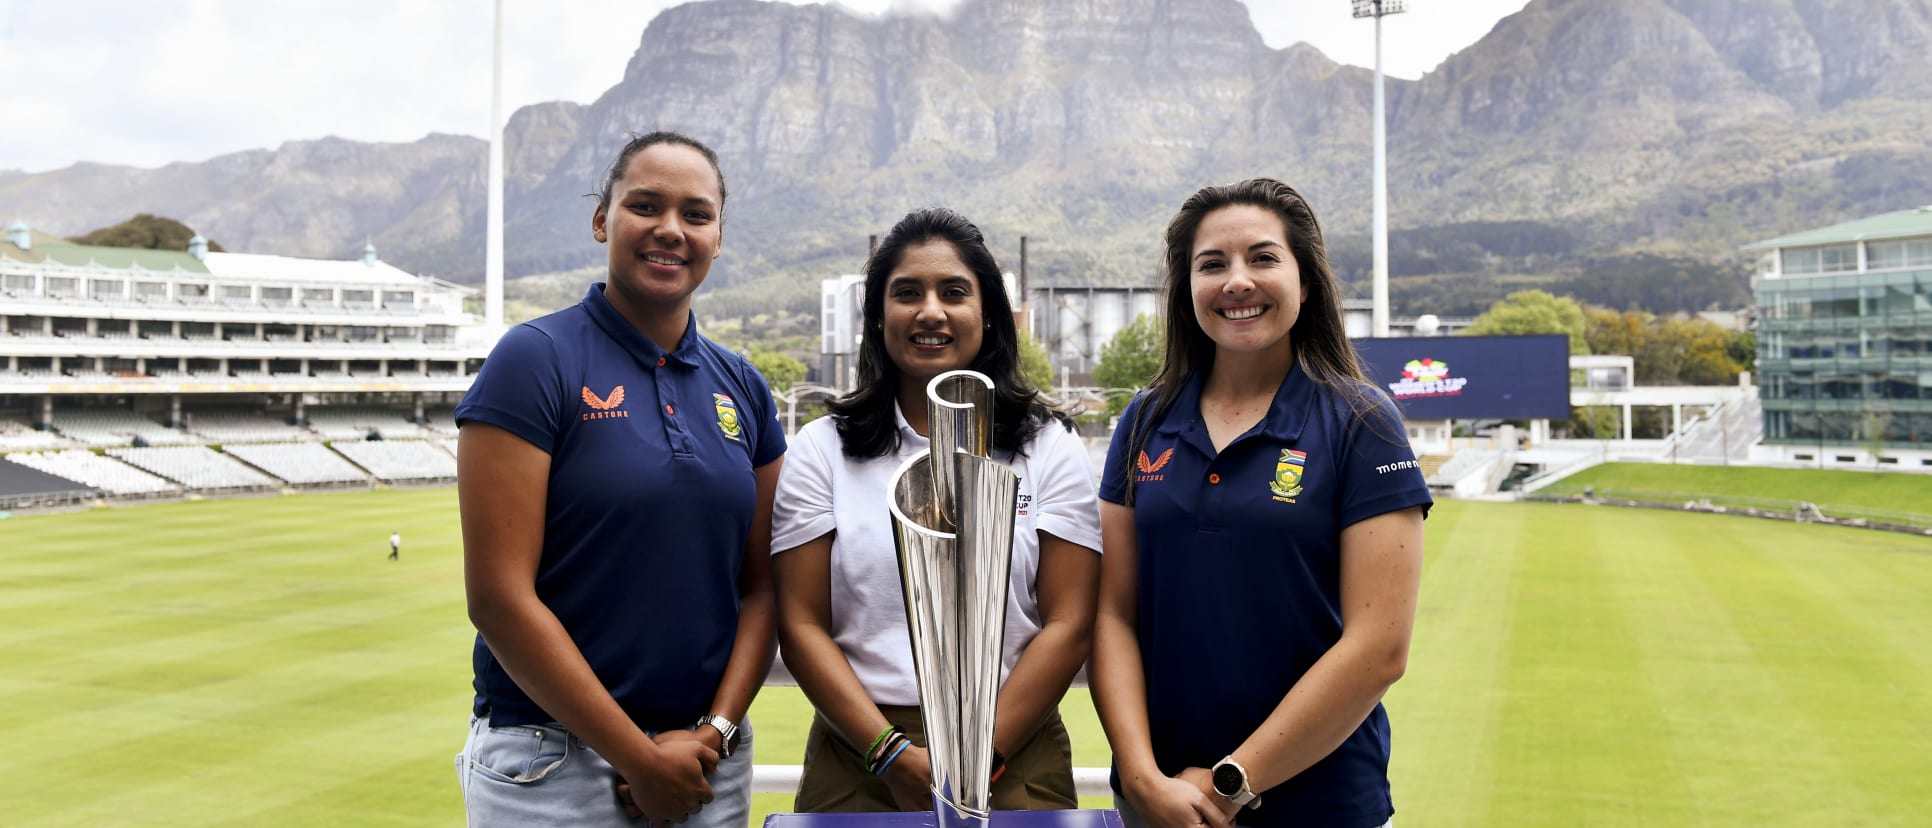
(1240, 578)
(650, 501)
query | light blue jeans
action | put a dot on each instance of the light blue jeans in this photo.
(542, 775)
(1131, 818)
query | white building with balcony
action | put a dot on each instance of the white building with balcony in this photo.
(88, 328)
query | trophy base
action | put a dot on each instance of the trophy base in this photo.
(1091, 818)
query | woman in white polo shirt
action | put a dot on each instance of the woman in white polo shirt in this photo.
(934, 302)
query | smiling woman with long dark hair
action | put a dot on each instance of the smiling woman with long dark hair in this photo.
(1263, 520)
(934, 302)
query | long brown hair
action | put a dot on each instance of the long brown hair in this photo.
(1321, 343)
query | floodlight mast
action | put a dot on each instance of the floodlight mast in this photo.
(1380, 284)
(493, 218)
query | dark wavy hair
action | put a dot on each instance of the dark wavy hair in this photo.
(639, 143)
(1320, 340)
(864, 417)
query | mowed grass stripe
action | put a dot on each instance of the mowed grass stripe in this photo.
(1451, 700)
(320, 773)
(1824, 635)
(237, 710)
(1719, 691)
(185, 665)
(1581, 731)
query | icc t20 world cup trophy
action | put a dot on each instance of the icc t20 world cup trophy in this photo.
(952, 518)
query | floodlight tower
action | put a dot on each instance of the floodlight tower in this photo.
(493, 218)
(1380, 315)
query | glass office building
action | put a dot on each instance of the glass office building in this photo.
(1845, 341)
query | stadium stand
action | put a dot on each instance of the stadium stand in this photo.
(104, 473)
(22, 487)
(302, 464)
(197, 467)
(243, 425)
(115, 427)
(18, 436)
(354, 422)
(400, 460)
(441, 421)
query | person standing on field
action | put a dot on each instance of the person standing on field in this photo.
(395, 545)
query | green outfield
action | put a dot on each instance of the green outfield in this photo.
(260, 662)
(1891, 491)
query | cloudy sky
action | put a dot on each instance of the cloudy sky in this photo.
(148, 82)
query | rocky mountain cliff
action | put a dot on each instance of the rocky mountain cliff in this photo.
(1677, 126)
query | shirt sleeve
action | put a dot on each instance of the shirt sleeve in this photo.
(1063, 496)
(1379, 470)
(802, 510)
(520, 389)
(1113, 477)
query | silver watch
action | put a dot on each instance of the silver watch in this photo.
(726, 729)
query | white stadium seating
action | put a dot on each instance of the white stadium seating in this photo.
(115, 427)
(104, 473)
(408, 460)
(299, 463)
(18, 436)
(196, 467)
(240, 425)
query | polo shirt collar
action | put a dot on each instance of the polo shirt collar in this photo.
(907, 437)
(1293, 404)
(640, 346)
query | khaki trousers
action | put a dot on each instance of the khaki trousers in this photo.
(1039, 777)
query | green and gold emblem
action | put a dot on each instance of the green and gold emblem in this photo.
(1288, 471)
(727, 416)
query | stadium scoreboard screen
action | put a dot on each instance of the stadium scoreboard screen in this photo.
(1471, 377)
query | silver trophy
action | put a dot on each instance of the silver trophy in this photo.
(952, 519)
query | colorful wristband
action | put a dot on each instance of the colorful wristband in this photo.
(999, 766)
(873, 749)
(895, 754)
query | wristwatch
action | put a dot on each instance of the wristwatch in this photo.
(1231, 781)
(726, 729)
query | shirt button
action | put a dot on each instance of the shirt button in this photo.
(668, 410)
(1214, 479)
(660, 362)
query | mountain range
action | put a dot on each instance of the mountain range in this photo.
(1681, 127)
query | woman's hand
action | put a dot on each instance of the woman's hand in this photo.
(1178, 802)
(669, 785)
(910, 778)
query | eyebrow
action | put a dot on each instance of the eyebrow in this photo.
(699, 201)
(1251, 248)
(948, 279)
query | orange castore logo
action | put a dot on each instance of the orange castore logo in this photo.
(604, 407)
(1158, 464)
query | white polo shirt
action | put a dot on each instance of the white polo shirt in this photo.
(821, 490)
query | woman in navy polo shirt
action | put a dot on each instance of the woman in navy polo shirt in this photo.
(934, 302)
(1263, 521)
(616, 472)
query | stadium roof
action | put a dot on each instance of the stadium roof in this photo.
(320, 271)
(1899, 225)
(252, 266)
(54, 249)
